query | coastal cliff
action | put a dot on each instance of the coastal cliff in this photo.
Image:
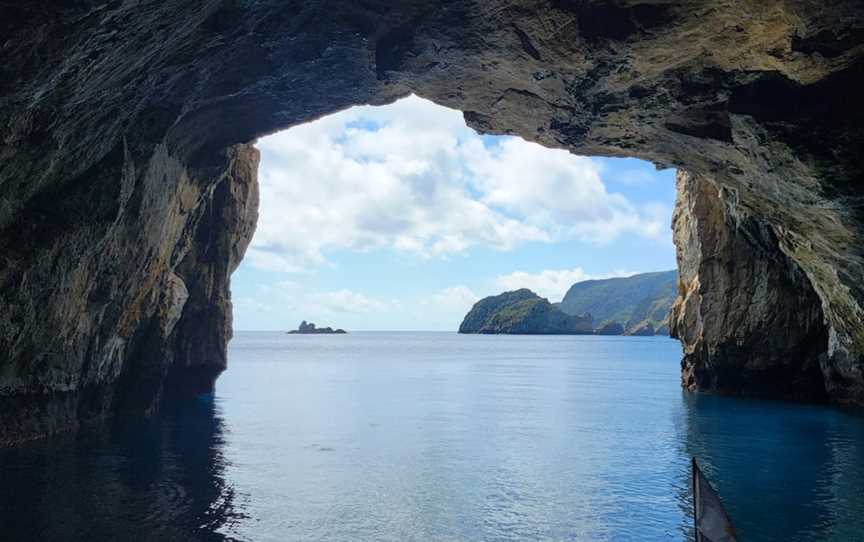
(124, 303)
(128, 191)
(522, 312)
(638, 303)
(747, 315)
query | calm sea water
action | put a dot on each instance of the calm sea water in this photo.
(437, 436)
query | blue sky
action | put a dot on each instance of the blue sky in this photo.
(400, 218)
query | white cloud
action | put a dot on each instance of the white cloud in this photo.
(558, 191)
(283, 304)
(252, 305)
(550, 283)
(413, 178)
(456, 299)
(344, 301)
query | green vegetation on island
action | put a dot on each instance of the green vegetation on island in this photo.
(636, 305)
(522, 312)
(640, 303)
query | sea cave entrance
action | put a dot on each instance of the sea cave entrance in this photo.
(401, 217)
(384, 202)
(404, 194)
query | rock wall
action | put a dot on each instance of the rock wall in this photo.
(127, 189)
(746, 313)
(116, 289)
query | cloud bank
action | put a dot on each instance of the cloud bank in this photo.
(411, 177)
(551, 283)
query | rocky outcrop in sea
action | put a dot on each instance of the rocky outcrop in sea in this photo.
(308, 328)
(522, 312)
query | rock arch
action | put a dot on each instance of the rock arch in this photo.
(128, 189)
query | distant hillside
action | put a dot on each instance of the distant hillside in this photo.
(522, 312)
(631, 301)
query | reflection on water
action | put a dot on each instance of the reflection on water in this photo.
(785, 471)
(376, 436)
(132, 479)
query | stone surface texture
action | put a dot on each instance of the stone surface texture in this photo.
(128, 191)
(747, 315)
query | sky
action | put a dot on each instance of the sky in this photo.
(401, 217)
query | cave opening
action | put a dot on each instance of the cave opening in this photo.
(378, 196)
(401, 217)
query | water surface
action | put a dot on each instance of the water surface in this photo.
(437, 436)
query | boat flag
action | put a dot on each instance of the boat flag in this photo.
(710, 518)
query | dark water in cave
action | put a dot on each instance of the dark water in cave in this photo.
(436, 436)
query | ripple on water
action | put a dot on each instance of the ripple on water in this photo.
(399, 437)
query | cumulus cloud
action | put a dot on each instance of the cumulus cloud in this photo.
(282, 305)
(456, 299)
(291, 300)
(412, 177)
(345, 301)
(550, 283)
(558, 191)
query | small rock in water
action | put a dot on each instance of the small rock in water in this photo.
(309, 328)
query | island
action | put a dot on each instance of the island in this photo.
(637, 306)
(522, 312)
(310, 329)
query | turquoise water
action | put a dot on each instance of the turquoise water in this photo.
(437, 436)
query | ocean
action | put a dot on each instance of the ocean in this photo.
(422, 436)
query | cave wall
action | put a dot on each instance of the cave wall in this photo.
(128, 192)
(111, 283)
(746, 314)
